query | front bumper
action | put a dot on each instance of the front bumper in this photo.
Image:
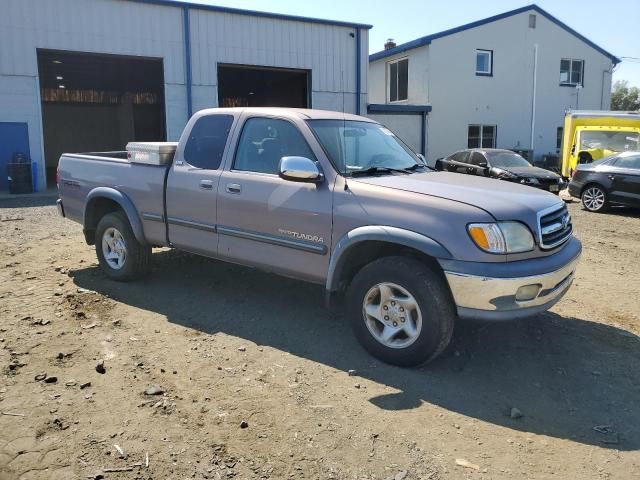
(494, 298)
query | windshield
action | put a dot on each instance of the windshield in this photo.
(614, 141)
(506, 159)
(354, 146)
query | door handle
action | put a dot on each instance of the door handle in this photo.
(206, 184)
(233, 188)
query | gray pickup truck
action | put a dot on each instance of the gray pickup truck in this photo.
(337, 200)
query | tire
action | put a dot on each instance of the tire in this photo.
(134, 263)
(435, 308)
(594, 198)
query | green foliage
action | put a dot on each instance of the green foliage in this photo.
(624, 97)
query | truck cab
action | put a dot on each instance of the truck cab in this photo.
(592, 135)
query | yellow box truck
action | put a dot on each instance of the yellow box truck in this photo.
(590, 135)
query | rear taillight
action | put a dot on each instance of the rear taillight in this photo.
(573, 174)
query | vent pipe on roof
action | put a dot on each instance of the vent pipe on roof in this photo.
(389, 44)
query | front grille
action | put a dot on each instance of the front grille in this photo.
(555, 226)
(548, 181)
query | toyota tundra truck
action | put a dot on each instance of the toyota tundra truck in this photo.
(334, 199)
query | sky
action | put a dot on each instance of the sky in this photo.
(613, 25)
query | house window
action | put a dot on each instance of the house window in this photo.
(559, 138)
(399, 80)
(484, 62)
(532, 21)
(481, 136)
(571, 72)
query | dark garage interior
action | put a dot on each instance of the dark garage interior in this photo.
(94, 102)
(251, 86)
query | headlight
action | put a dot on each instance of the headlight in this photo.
(501, 237)
(530, 181)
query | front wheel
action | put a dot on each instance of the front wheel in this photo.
(594, 198)
(120, 255)
(401, 311)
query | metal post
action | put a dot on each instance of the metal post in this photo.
(187, 58)
(358, 71)
(533, 100)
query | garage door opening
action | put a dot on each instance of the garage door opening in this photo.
(250, 86)
(94, 102)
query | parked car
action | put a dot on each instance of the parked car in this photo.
(337, 200)
(503, 165)
(611, 181)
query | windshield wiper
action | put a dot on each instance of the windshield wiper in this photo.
(413, 168)
(374, 170)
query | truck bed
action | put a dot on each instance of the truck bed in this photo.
(143, 184)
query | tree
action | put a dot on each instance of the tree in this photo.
(624, 97)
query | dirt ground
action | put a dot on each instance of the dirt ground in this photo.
(229, 345)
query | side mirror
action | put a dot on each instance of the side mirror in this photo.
(300, 169)
(422, 159)
(483, 164)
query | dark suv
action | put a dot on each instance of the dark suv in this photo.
(503, 165)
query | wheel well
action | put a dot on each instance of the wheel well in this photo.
(365, 252)
(593, 184)
(95, 210)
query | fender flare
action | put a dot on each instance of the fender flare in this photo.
(381, 233)
(125, 203)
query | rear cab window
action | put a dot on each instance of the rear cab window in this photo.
(207, 139)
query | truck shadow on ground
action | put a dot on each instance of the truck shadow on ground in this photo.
(28, 200)
(566, 375)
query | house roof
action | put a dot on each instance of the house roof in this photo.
(253, 13)
(419, 42)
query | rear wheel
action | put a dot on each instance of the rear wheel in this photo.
(120, 255)
(401, 311)
(594, 198)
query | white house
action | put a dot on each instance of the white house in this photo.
(90, 75)
(503, 82)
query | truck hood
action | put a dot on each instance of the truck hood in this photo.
(502, 200)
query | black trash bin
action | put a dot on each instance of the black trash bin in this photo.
(19, 174)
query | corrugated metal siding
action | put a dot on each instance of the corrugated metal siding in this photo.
(99, 26)
(329, 51)
(128, 28)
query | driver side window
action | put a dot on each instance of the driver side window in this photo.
(264, 141)
(478, 159)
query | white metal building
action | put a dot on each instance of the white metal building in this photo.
(504, 81)
(78, 75)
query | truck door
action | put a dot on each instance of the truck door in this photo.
(192, 185)
(264, 220)
(625, 180)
